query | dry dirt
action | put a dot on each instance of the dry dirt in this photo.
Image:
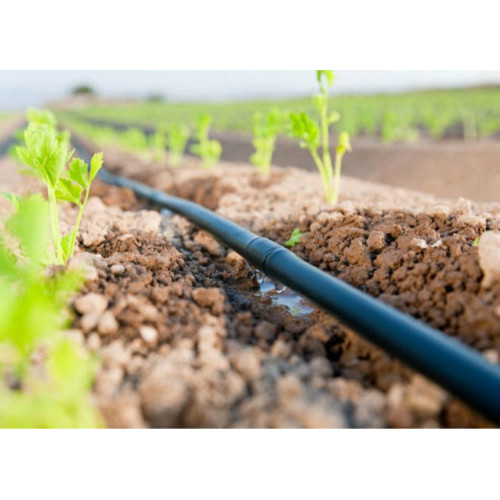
(182, 310)
(448, 168)
(187, 340)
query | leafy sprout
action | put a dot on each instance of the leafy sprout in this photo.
(173, 137)
(46, 152)
(265, 130)
(314, 134)
(177, 139)
(134, 139)
(295, 238)
(208, 150)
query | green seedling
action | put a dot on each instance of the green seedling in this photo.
(53, 391)
(208, 150)
(47, 154)
(177, 139)
(476, 242)
(173, 137)
(312, 135)
(395, 128)
(265, 130)
(159, 143)
(135, 140)
(294, 238)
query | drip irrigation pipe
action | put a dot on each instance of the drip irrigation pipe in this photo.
(457, 368)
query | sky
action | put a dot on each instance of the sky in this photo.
(19, 89)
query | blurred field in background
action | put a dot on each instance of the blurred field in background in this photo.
(459, 113)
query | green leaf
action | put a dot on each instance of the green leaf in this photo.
(294, 238)
(95, 166)
(45, 151)
(318, 102)
(78, 172)
(69, 191)
(306, 129)
(325, 76)
(334, 117)
(30, 224)
(41, 117)
(344, 144)
(67, 245)
(8, 268)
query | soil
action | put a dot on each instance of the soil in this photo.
(448, 168)
(411, 250)
(188, 338)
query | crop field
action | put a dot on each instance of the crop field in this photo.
(148, 282)
(462, 113)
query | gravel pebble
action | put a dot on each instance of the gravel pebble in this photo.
(107, 324)
(118, 269)
(149, 334)
(91, 303)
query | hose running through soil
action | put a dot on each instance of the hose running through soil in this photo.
(444, 360)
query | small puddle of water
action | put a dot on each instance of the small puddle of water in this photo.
(279, 295)
(282, 296)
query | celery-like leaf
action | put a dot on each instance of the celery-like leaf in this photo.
(78, 172)
(30, 225)
(69, 191)
(306, 129)
(295, 238)
(95, 166)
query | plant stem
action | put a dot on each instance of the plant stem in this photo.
(330, 187)
(78, 221)
(338, 168)
(54, 225)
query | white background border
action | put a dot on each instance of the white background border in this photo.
(252, 34)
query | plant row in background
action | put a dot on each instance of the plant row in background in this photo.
(173, 137)
(46, 377)
(313, 134)
(312, 130)
(471, 113)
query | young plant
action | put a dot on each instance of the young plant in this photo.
(313, 134)
(265, 130)
(177, 139)
(295, 238)
(159, 143)
(47, 154)
(208, 150)
(135, 140)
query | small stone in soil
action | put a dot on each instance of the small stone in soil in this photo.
(149, 334)
(107, 324)
(117, 269)
(91, 303)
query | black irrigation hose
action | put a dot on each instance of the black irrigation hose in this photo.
(457, 368)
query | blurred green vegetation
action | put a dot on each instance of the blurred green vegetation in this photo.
(468, 113)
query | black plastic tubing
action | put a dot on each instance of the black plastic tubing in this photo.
(457, 368)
